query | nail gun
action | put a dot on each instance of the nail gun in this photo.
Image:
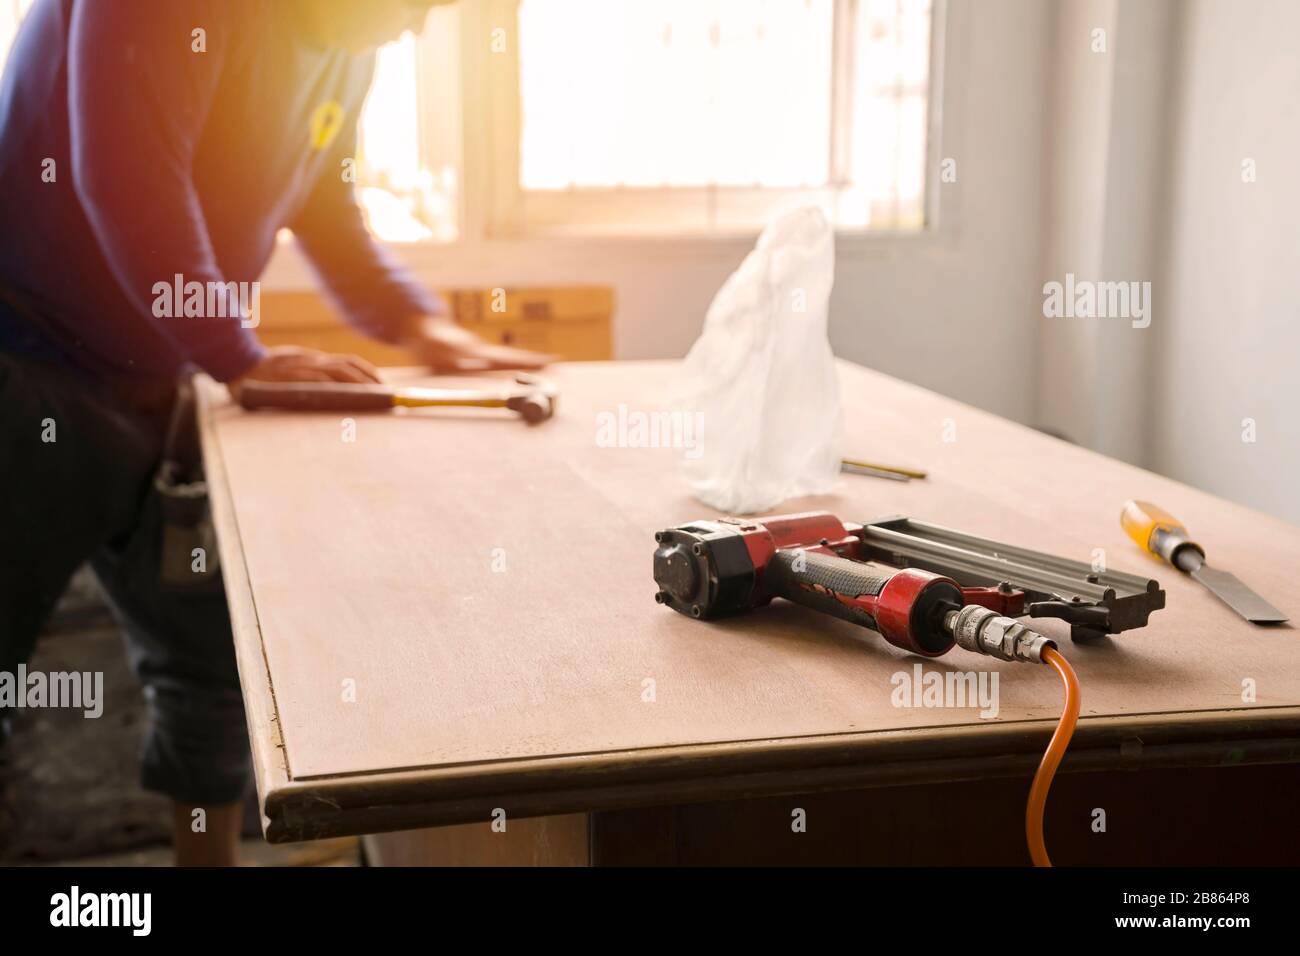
(923, 588)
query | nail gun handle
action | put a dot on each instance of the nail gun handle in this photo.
(315, 397)
(826, 583)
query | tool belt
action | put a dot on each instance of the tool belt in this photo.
(187, 551)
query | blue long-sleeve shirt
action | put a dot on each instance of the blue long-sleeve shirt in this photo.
(128, 156)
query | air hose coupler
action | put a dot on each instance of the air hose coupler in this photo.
(986, 632)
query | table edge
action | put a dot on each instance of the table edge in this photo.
(424, 797)
(270, 758)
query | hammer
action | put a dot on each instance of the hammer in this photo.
(534, 399)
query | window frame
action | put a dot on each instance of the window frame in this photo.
(494, 204)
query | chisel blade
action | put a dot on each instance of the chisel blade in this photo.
(1229, 589)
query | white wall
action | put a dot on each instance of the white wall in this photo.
(959, 314)
(1228, 347)
(1107, 163)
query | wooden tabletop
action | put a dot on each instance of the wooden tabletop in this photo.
(453, 612)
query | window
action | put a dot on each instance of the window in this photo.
(674, 94)
(409, 152)
(654, 116)
(714, 114)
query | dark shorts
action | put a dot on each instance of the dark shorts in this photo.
(89, 495)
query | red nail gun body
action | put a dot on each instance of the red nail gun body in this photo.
(707, 569)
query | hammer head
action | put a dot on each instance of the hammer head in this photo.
(535, 401)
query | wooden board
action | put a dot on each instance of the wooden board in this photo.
(575, 323)
(485, 588)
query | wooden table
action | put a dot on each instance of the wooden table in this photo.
(451, 615)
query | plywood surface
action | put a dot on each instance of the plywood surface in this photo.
(485, 588)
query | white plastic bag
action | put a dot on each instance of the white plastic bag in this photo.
(761, 378)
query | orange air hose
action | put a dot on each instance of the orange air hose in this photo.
(1052, 758)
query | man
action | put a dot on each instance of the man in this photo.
(142, 140)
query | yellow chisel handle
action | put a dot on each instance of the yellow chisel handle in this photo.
(1158, 532)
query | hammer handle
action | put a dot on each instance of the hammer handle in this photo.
(315, 397)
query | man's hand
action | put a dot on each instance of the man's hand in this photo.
(446, 347)
(291, 364)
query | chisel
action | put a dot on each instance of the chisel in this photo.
(1160, 533)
